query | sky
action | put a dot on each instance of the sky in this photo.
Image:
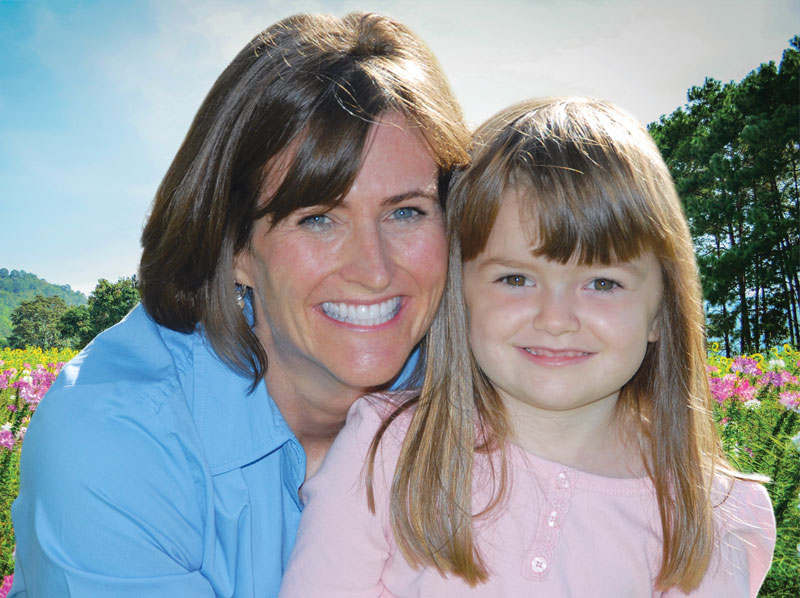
(96, 96)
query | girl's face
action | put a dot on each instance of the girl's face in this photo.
(556, 337)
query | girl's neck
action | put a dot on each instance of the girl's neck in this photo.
(592, 439)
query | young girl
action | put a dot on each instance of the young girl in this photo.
(562, 443)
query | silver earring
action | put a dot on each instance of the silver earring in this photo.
(241, 291)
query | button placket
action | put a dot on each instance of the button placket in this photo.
(540, 558)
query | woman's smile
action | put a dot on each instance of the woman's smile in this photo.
(363, 314)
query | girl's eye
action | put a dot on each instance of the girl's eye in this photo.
(316, 222)
(516, 280)
(603, 284)
(406, 213)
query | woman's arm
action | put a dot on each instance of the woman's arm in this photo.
(112, 501)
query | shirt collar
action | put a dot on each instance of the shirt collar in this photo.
(236, 426)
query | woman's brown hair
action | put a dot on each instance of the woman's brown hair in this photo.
(597, 190)
(309, 87)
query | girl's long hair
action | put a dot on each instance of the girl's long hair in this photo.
(597, 189)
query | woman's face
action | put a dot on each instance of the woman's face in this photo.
(343, 295)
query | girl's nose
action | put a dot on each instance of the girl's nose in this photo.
(555, 314)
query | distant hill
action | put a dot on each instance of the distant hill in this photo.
(17, 286)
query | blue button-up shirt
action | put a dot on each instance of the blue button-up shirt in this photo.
(149, 470)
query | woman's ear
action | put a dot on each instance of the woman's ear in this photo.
(242, 267)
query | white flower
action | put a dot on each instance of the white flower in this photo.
(775, 364)
(752, 404)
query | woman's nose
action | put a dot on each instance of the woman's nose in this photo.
(555, 313)
(368, 260)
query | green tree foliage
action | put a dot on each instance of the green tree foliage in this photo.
(48, 322)
(17, 286)
(36, 323)
(108, 304)
(75, 326)
(734, 151)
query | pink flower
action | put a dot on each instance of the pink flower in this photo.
(7, 439)
(12, 407)
(6, 587)
(730, 386)
(791, 400)
(723, 388)
(746, 366)
(778, 379)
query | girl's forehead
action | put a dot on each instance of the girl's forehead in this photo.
(519, 227)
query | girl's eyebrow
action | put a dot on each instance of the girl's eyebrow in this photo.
(512, 263)
(503, 262)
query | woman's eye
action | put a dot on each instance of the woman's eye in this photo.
(316, 221)
(406, 213)
(516, 280)
(603, 284)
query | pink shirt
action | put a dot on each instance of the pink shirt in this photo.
(559, 533)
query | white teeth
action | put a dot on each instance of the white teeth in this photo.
(362, 315)
(546, 353)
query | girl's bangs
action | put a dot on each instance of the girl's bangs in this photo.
(585, 216)
(591, 190)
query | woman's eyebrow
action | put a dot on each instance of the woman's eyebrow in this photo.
(413, 193)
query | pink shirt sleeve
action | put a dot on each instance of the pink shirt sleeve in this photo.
(342, 547)
(745, 542)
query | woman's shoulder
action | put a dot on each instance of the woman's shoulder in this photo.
(136, 350)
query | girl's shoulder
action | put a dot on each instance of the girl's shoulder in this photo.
(741, 503)
(371, 413)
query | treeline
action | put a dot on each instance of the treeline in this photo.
(17, 286)
(734, 151)
(49, 322)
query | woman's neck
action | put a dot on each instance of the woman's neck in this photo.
(315, 410)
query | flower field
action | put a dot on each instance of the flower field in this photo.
(25, 376)
(756, 407)
(757, 410)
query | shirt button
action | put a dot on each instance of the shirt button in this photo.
(538, 564)
(563, 481)
(551, 520)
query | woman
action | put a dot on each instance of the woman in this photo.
(294, 257)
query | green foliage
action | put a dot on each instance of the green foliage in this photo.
(109, 303)
(17, 286)
(49, 322)
(35, 323)
(75, 326)
(734, 152)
